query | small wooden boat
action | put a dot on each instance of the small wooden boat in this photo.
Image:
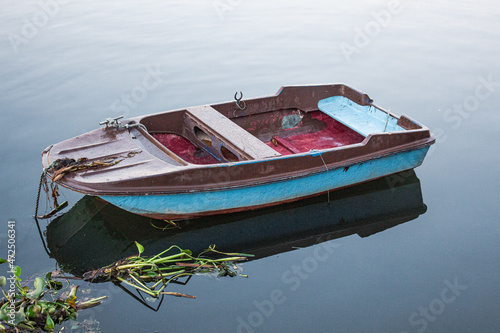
(239, 155)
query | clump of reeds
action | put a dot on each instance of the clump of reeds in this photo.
(25, 309)
(152, 274)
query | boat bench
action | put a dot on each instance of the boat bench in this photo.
(364, 119)
(232, 134)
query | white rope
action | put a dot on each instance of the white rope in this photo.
(326, 167)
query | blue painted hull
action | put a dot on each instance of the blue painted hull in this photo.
(193, 204)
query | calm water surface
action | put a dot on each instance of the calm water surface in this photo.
(65, 66)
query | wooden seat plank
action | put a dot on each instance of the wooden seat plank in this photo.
(232, 133)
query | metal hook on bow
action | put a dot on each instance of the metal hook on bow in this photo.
(238, 100)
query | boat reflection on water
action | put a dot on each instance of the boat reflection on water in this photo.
(94, 233)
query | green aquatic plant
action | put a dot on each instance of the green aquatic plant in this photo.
(152, 274)
(28, 309)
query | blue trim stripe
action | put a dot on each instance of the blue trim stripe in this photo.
(231, 198)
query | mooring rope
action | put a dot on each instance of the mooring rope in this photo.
(62, 167)
(326, 167)
(42, 178)
(41, 237)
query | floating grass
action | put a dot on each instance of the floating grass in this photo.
(28, 310)
(152, 274)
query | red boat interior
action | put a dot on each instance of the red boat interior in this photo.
(185, 149)
(286, 132)
(335, 134)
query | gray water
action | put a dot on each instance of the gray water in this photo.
(65, 66)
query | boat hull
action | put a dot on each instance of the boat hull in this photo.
(225, 200)
(361, 210)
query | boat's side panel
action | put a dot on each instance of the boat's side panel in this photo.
(184, 205)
